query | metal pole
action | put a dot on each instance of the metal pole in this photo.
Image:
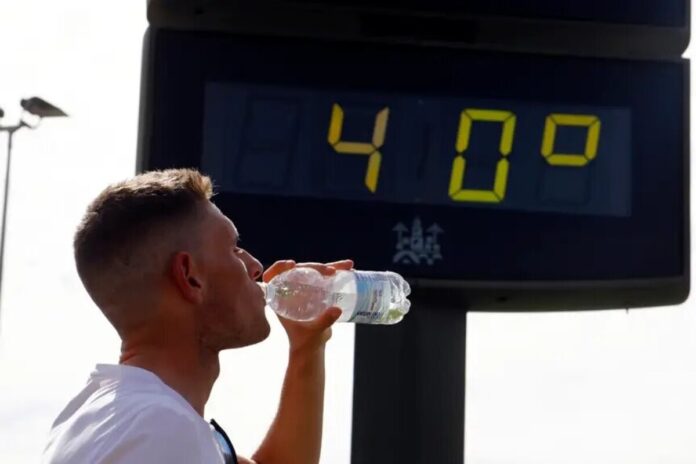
(10, 134)
(409, 387)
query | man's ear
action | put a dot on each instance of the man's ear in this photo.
(187, 277)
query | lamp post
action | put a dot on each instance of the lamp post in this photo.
(41, 109)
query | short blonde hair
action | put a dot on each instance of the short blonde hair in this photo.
(130, 215)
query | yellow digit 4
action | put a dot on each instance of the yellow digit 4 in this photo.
(456, 188)
(580, 120)
(370, 149)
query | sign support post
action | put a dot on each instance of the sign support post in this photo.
(409, 388)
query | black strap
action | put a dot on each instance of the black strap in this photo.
(227, 440)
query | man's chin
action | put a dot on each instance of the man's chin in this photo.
(254, 335)
(265, 332)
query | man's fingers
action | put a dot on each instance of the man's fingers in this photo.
(278, 268)
(322, 322)
(333, 314)
(343, 265)
(330, 268)
(325, 269)
(328, 317)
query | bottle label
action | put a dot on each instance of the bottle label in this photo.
(372, 299)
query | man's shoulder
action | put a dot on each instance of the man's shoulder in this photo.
(135, 401)
(112, 421)
(130, 393)
(122, 408)
(162, 415)
(155, 432)
(145, 406)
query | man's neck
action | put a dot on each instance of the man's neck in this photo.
(187, 371)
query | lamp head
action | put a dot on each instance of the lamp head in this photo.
(41, 108)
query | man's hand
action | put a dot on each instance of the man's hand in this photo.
(309, 335)
(295, 435)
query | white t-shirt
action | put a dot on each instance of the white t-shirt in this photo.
(128, 415)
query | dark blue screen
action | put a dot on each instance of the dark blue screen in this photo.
(276, 140)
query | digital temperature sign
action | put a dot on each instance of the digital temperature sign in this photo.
(418, 150)
(495, 180)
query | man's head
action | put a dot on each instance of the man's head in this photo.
(154, 249)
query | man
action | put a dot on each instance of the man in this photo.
(165, 267)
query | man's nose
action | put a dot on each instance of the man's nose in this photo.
(254, 267)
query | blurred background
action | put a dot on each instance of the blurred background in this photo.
(601, 387)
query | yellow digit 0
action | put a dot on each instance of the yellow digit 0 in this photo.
(370, 149)
(456, 188)
(553, 120)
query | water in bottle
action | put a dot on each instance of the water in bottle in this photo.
(367, 297)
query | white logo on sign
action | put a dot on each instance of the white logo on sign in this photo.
(412, 247)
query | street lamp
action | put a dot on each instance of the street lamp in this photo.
(37, 107)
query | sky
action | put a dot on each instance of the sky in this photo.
(602, 387)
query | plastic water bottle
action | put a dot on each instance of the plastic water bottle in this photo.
(366, 297)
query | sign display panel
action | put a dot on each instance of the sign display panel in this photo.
(494, 172)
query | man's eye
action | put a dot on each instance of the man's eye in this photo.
(238, 250)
